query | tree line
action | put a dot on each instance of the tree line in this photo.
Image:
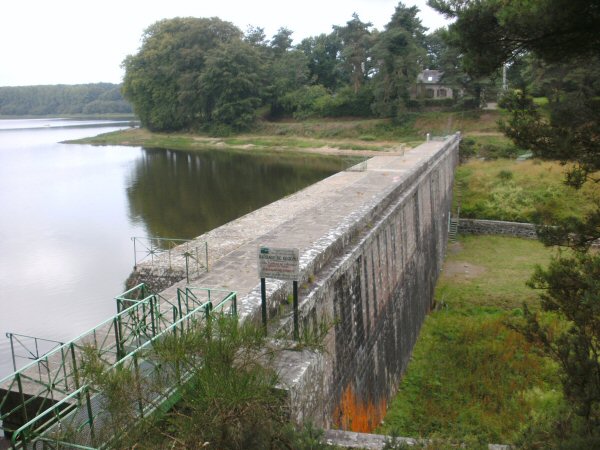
(205, 73)
(97, 98)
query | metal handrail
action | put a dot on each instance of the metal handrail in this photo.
(31, 353)
(195, 252)
(131, 328)
(33, 431)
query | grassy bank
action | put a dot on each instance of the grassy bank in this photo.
(322, 135)
(472, 379)
(520, 191)
(257, 143)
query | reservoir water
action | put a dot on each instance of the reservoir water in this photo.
(68, 211)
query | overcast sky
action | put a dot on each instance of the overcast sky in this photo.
(84, 41)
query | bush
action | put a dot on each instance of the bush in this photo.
(346, 103)
(442, 103)
(308, 101)
(466, 103)
(231, 401)
(466, 149)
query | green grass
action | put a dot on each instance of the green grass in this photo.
(484, 272)
(252, 142)
(520, 191)
(471, 378)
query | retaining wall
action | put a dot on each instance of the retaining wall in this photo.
(516, 229)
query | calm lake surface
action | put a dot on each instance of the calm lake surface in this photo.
(67, 213)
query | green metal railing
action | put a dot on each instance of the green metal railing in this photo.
(171, 254)
(54, 400)
(29, 348)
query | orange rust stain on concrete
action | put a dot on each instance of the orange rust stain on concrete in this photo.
(354, 415)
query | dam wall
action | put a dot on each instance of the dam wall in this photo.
(371, 242)
(372, 299)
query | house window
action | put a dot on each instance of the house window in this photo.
(429, 93)
(442, 93)
(429, 78)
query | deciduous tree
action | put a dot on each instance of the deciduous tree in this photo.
(162, 80)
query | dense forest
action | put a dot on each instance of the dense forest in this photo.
(97, 98)
(205, 73)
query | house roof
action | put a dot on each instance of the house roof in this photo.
(430, 76)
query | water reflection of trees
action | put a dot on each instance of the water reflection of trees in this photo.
(182, 195)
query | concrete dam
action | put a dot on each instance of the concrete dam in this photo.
(372, 241)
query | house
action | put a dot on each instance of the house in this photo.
(429, 85)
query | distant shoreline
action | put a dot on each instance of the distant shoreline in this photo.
(111, 116)
(270, 143)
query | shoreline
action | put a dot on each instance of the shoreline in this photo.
(264, 143)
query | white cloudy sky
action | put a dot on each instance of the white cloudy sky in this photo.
(85, 41)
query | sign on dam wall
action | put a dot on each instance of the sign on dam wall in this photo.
(371, 244)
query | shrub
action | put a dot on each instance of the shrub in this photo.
(308, 101)
(466, 149)
(231, 400)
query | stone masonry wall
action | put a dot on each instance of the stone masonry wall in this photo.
(516, 229)
(374, 297)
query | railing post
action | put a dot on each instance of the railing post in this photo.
(22, 397)
(134, 254)
(179, 303)
(295, 306)
(174, 309)
(206, 253)
(145, 317)
(187, 272)
(208, 327)
(138, 386)
(74, 361)
(12, 351)
(64, 364)
(263, 304)
(117, 338)
(152, 316)
(90, 415)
